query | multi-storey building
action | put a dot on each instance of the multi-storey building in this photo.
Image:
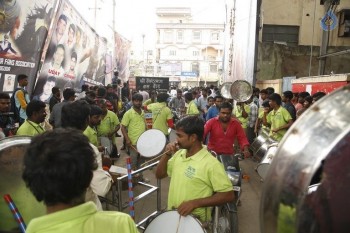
(190, 53)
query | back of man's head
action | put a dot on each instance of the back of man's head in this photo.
(75, 115)
(188, 96)
(162, 97)
(68, 93)
(58, 166)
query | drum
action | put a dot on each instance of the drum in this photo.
(225, 90)
(258, 142)
(264, 165)
(319, 138)
(261, 152)
(11, 164)
(151, 143)
(106, 142)
(174, 223)
(172, 135)
(241, 90)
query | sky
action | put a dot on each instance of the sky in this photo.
(134, 18)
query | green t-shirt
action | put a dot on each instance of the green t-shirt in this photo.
(198, 176)
(83, 218)
(237, 111)
(261, 115)
(277, 119)
(108, 125)
(135, 123)
(160, 116)
(30, 128)
(192, 108)
(148, 102)
(91, 134)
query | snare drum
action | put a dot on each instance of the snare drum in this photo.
(174, 223)
(264, 166)
(151, 143)
(107, 144)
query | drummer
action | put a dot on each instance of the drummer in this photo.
(224, 130)
(58, 169)
(161, 115)
(198, 180)
(132, 126)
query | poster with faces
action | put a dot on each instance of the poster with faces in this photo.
(9, 82)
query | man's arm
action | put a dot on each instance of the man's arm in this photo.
(21, 99)
(217, 199)
(162, 167)
(125, 135)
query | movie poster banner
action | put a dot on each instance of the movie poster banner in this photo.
(24, 26)
(122, 50)
(76, 55)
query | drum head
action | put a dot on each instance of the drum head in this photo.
(241, 90)
(225, 90)
(318, 139)
(173, 223)
(151, 143)
(11, 164)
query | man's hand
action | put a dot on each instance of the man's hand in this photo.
(186, 208)
(246, 154)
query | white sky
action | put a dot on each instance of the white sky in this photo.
(133, 18)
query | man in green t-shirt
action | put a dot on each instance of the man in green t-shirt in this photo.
(36, 114)
(58, 169)
(133, 125)
(198, 180)
(161, 114)
(191, 108)
(278, 119)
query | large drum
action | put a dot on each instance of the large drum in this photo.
(11, 164)
(172, 222)
(151, 143)
(258, 142)
(318, 141)
(264, 165)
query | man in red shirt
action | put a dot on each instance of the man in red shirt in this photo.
(223, 131)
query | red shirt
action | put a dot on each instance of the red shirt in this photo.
(222, 142)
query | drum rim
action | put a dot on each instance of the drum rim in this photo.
(165, 211)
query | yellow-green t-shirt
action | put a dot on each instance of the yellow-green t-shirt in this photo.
(237, 111)
(30, 128)
(198, 176)
(160, 116)
(83, 218)
(261, 115)
(277, 119)
(108, 125)
(192, 108)
(91, 134)
(148, 102)
(135, 123)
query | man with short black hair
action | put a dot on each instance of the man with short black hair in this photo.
(7, 123)
(21, 97)
(36, 114)
(58, 170)
(213, 111)
(55, 117)
(55, 97)
(287, 104)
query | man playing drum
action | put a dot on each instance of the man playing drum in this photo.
(133, 125)
(58, 169)
(198, 180)
(223, 131)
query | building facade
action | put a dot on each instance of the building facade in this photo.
(189, 53)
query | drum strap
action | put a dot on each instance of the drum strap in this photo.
(158, 114)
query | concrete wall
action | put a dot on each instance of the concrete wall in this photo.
(277, 61)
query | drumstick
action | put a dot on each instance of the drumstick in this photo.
(155, 158)
(15, 212)
(178, 224)
(132, 147)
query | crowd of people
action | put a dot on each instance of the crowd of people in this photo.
(72, 149)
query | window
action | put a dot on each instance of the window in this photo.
(344, 23)
(172, 52)
(213, 68)
(196, 36)
(215, 36)
(180, 36)
(195, 68)
(150, 52)
(280, 33)
(168, 36)
(195, 53)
